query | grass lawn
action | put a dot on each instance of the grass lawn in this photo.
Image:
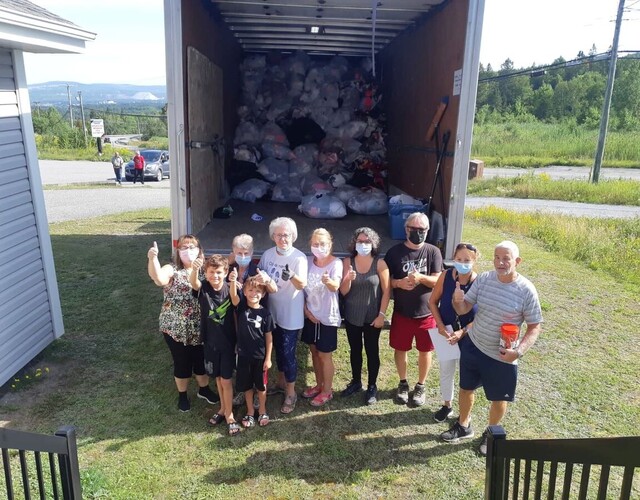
(111, 376)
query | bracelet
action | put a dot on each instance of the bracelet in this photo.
(381, 313)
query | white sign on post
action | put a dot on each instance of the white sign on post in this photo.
(97, 127)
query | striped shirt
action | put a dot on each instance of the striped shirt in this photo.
(515, 302)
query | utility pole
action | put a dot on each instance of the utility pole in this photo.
(606, 107)
(70, 108)
(84, 127)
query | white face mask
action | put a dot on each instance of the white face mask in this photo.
(320, 251)
(363, 248)
(189, 255)
(284, 252)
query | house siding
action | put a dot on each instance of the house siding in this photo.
(26, 322)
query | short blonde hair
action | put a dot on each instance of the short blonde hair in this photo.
(243, 242)
(322, 232)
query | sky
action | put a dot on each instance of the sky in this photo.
(129, 46)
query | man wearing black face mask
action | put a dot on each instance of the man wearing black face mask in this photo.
(414, 267)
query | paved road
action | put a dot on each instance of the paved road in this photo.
(70, 204)
(557, 172)
(84, 203)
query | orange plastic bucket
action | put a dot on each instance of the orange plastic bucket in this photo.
(509, 335)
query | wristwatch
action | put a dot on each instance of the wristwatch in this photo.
(519, 352)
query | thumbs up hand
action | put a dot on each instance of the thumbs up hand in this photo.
(197, 264)
(325, 277)
(351, 274)
(233, 275)
(458, 294)
(286, 273)
(153, 251)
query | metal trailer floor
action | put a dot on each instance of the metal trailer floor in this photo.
(217, 235)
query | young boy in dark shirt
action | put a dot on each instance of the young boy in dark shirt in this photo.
(255, 342)
(218, 332)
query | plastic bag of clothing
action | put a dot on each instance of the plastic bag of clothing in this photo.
(275, 150)
(247, 133)
(251, 190)
(298, 63)
(322, 206)
(247, 153)
(271, 132)
(287, 191)
(280, 105)
(307, 153)
(346, 192)
(274, 170)
(354, 129)
(369, 202)
(312, 184)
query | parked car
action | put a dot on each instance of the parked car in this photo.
(156, 165)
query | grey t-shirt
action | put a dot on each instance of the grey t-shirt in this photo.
(515, 302)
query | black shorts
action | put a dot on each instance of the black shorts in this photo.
(219, 363)
(187, 359)
(324, 337)
(250, 374)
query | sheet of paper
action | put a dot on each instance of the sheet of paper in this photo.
(444, 350)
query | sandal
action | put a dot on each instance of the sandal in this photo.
(234, 428)
(263, 420)
(311, 392)
(248, 421)
(322, 399)
(289, 404)
(215, 420)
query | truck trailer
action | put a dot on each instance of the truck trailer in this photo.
(425, 54)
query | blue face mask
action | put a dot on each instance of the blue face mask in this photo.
(463, 267)
(243, 260)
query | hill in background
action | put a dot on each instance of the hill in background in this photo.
(55, 93)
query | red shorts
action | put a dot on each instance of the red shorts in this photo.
(403, 331)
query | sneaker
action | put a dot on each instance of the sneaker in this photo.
(238, 399)
(402, 396)
(208, 395)
(482, 449)
(371, 396)
(443, 413)
(456, 433)
(418, 396)
(352, 388)
(183, 402)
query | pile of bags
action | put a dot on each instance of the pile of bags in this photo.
(310, 133)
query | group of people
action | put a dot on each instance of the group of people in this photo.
(226, 314)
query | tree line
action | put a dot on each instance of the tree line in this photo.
(54, 126)
(566, 92)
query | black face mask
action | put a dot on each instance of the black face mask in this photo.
(417, 237)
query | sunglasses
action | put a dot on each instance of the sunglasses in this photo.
(468, 246)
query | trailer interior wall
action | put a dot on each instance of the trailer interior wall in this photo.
(417, 72)
(212, 57)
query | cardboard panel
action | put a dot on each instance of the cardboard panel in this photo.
(417, 71)
(206, 182)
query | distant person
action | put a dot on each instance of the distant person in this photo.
(414, 268)
(116, 161)
(138, 167)
(504, 297)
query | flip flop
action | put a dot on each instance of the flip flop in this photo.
(215, 420)
(234, 428)
(263, 420)
(248, 421)
(289, 404)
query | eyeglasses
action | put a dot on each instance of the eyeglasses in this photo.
(187, 247)
(413, 228)
(468, 246)
(363, 241)
(282, 236)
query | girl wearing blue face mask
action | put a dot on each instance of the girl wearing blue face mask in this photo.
(464, 259)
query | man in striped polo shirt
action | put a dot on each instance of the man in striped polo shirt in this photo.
(503, 296)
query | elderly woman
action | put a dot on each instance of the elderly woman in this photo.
(286, 268)
(180, 318)
(365, 287)
(241, 257)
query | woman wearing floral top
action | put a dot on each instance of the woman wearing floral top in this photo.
(180, 319)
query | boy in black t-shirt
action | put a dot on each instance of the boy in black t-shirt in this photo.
(218, 331)
(255, 341)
